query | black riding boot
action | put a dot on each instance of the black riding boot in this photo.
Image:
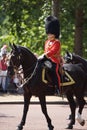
(57, 92)
(55, 79)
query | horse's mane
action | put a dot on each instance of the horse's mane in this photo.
(28, 51)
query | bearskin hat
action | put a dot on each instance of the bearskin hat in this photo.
(52, 26)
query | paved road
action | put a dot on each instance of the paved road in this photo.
(10, 116)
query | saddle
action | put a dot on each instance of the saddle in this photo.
(65, 77)
(43, 72)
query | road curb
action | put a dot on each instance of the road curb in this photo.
(18, 99)
(35, 102)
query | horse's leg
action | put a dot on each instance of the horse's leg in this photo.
(27, 97)
(72, 108)
(81, 103)
(44, 110)
(69, 118)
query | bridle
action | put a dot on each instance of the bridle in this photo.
(19, 70)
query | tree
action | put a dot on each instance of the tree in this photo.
(73, 16)
(22, 22)
(79, 15)
(55, 7)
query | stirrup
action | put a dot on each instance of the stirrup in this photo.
(57, 92)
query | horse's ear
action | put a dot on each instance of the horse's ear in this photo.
(10, 45)
(67, 53)
(14, 47)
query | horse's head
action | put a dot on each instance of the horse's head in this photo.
(76, 59)
(14, 59)
(15, 56)
(68, 57)
(21, 56)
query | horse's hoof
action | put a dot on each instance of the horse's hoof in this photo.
(69, 127)
(51, 127)
(82, 123)
(19, 128)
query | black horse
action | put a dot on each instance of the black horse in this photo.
(36, 86)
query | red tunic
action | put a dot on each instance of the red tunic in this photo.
(52, 50)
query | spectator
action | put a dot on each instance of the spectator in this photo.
(4, 49)
(3, 70)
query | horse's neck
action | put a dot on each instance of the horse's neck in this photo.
(28, 62)
(28, 65)
(80, 59)
(28, 70)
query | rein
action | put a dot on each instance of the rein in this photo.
(32, 74)
(26, 80)
(29, 77)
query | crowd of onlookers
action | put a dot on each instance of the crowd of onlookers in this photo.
(7, 82)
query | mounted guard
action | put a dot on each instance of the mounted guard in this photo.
(52, 48)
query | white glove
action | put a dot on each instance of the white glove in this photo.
(41, 57)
